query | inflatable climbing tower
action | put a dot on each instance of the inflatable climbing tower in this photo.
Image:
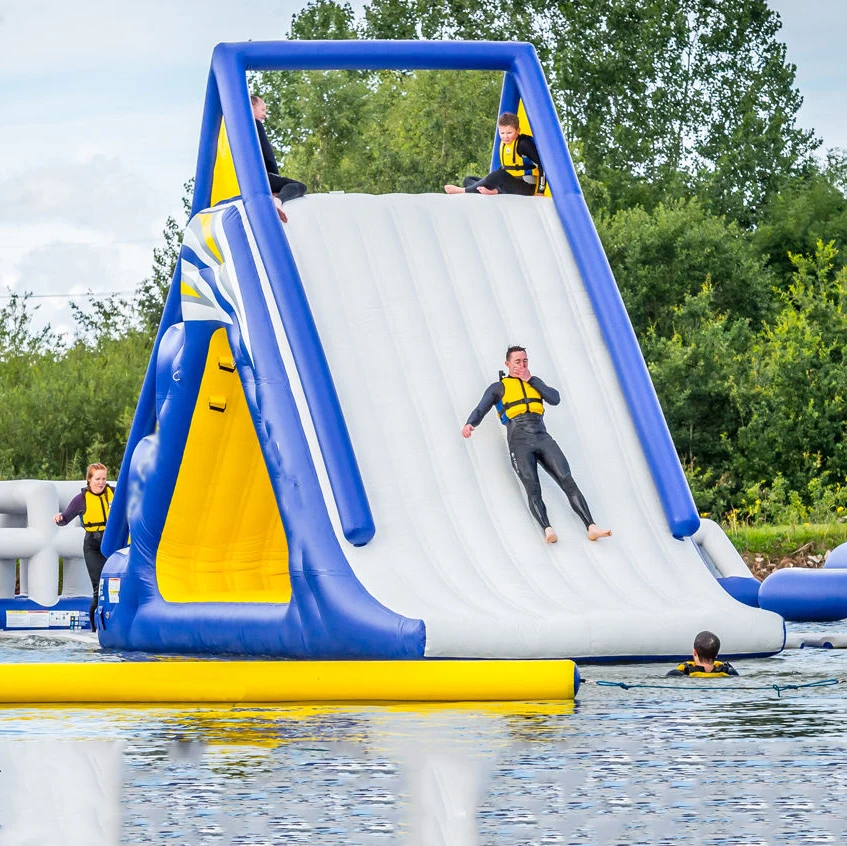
(295, 482)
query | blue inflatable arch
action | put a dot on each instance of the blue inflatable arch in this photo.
(250, 520)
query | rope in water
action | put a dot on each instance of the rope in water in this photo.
(777, 687)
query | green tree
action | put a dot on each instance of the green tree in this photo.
(376, 132)
(660, 258)
(808, 208)
(795, 399)
(695, 370)
(317, 121)
(62, 407)
(657, 99)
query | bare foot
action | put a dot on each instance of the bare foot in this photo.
(282, 215)
(594, 532)
(454, 189)
(550, 535)
(488, 191)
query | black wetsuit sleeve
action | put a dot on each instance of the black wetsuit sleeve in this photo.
(548, 394)
(493, 394)
(267, 151)
(526, 147)
(729, 669)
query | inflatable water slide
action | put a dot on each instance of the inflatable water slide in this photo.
(296, 483)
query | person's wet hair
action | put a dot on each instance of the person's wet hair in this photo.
(509, 119)
(93, 468)
(707, 646)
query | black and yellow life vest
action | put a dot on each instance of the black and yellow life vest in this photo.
(519, 397)
(96, 510)
(517, 165)
(695, 671)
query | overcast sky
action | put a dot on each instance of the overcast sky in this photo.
(101, 105)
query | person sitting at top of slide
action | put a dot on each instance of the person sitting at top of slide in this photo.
(705, 663)
(523, 397)
(282, 187)
(520, 170)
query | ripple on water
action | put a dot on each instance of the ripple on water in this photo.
(676, 764)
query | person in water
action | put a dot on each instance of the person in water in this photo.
(707, 645)
(282, 187)
(92, 506)
(522, 397)
(520, 170)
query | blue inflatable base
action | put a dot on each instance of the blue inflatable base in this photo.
(806, 595)
(742, 588)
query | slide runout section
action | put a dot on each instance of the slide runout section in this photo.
(415, 299)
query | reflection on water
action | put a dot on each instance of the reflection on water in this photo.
(675, 764)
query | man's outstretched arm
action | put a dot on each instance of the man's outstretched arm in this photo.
(493, 394)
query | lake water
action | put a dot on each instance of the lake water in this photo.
(733, 763)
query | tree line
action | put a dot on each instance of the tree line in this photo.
(724, 221)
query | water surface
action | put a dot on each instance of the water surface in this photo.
(734, 763)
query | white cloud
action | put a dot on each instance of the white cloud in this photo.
(101, 195)
(103, 35)
(67, 271)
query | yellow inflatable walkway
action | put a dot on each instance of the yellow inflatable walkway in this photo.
(180, 681)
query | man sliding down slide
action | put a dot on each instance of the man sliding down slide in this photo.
(522, 397)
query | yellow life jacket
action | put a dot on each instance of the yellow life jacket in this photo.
(687, 668)
(520, 397)
(517, 165)
(96, 510)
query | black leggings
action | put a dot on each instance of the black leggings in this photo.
(285, 188)
(530, 445)
(94, 561)
(502, 181)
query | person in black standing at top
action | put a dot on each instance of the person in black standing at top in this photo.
(522, 399)
(91, 505)
(282, 187)
(520, 170)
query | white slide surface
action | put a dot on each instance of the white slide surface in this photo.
(416, 298)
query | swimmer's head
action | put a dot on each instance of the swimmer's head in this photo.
(707, 646)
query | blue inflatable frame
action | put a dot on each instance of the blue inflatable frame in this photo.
(227, 98)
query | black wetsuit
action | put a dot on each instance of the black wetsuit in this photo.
(530, 444)
(282, 186)
(503, 181)
(94, 558)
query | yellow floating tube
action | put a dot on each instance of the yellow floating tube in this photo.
(290, 681)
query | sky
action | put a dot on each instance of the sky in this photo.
(101, 105)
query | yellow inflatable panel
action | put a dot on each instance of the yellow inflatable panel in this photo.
(184, 681)
(526, 129)
(223, 540)
(224, 180)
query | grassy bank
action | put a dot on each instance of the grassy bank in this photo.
(776, 542)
